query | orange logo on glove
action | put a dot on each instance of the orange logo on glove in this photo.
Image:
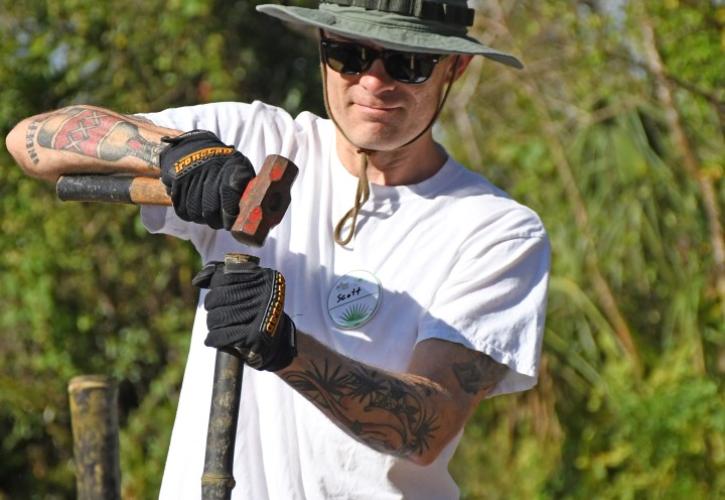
(201, 155)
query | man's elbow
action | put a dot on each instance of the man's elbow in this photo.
(15, 144)
(431, 451)
(430, 454)
(24, 152)
(452, 419)
(426, 458)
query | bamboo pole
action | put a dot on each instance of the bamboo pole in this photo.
(94, 420)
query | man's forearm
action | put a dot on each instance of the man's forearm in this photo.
(401, 414)
(80, 139)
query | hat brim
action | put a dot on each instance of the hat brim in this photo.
(387, 35)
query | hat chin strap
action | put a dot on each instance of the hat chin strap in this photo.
(363, 186)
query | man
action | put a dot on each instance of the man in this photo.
(402, 313)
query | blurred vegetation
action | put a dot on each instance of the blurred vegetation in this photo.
(613, 133)
(85, 289)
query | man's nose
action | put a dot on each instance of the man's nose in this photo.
(376, 79)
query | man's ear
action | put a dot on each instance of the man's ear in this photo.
(463, 61)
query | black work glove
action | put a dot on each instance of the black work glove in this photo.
(245, 315)
(204, 177)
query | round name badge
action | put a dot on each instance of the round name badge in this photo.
(354, 299)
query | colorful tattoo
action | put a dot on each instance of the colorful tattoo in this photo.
(97, 134)
(481, 373)
(398, 420)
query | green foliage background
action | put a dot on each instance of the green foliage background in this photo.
(614, 136)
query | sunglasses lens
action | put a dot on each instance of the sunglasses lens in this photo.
(409, 68)
(353, 59)
(345, 58)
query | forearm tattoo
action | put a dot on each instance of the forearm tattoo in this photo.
(385, 412)
(93, 133)
(481, 373)
(30, 141)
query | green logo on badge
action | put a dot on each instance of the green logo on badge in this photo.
(354, 299)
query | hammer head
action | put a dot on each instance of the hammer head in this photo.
(265, 200)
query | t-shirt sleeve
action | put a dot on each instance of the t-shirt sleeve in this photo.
(494, 301)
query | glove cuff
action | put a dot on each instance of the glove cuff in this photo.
(189, 150)
(287, 350)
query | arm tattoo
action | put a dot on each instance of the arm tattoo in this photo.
(480, 373)
(30, 141)
(93, 133)
(387, 413)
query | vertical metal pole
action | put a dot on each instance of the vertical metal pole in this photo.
(94, 420)
(217, 481)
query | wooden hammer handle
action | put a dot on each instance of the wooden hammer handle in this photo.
(263, 204)
(112, 189)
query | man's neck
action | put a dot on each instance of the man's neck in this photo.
(411, 164)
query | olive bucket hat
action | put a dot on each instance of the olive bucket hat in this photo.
(434, 26)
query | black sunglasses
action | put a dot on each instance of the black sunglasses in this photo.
(350, 58)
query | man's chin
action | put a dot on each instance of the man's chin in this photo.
(376, 136)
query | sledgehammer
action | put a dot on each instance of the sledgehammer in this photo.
(263, 204)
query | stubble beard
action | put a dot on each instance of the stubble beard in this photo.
(385, 135)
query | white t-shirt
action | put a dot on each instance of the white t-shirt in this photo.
(450, 258)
